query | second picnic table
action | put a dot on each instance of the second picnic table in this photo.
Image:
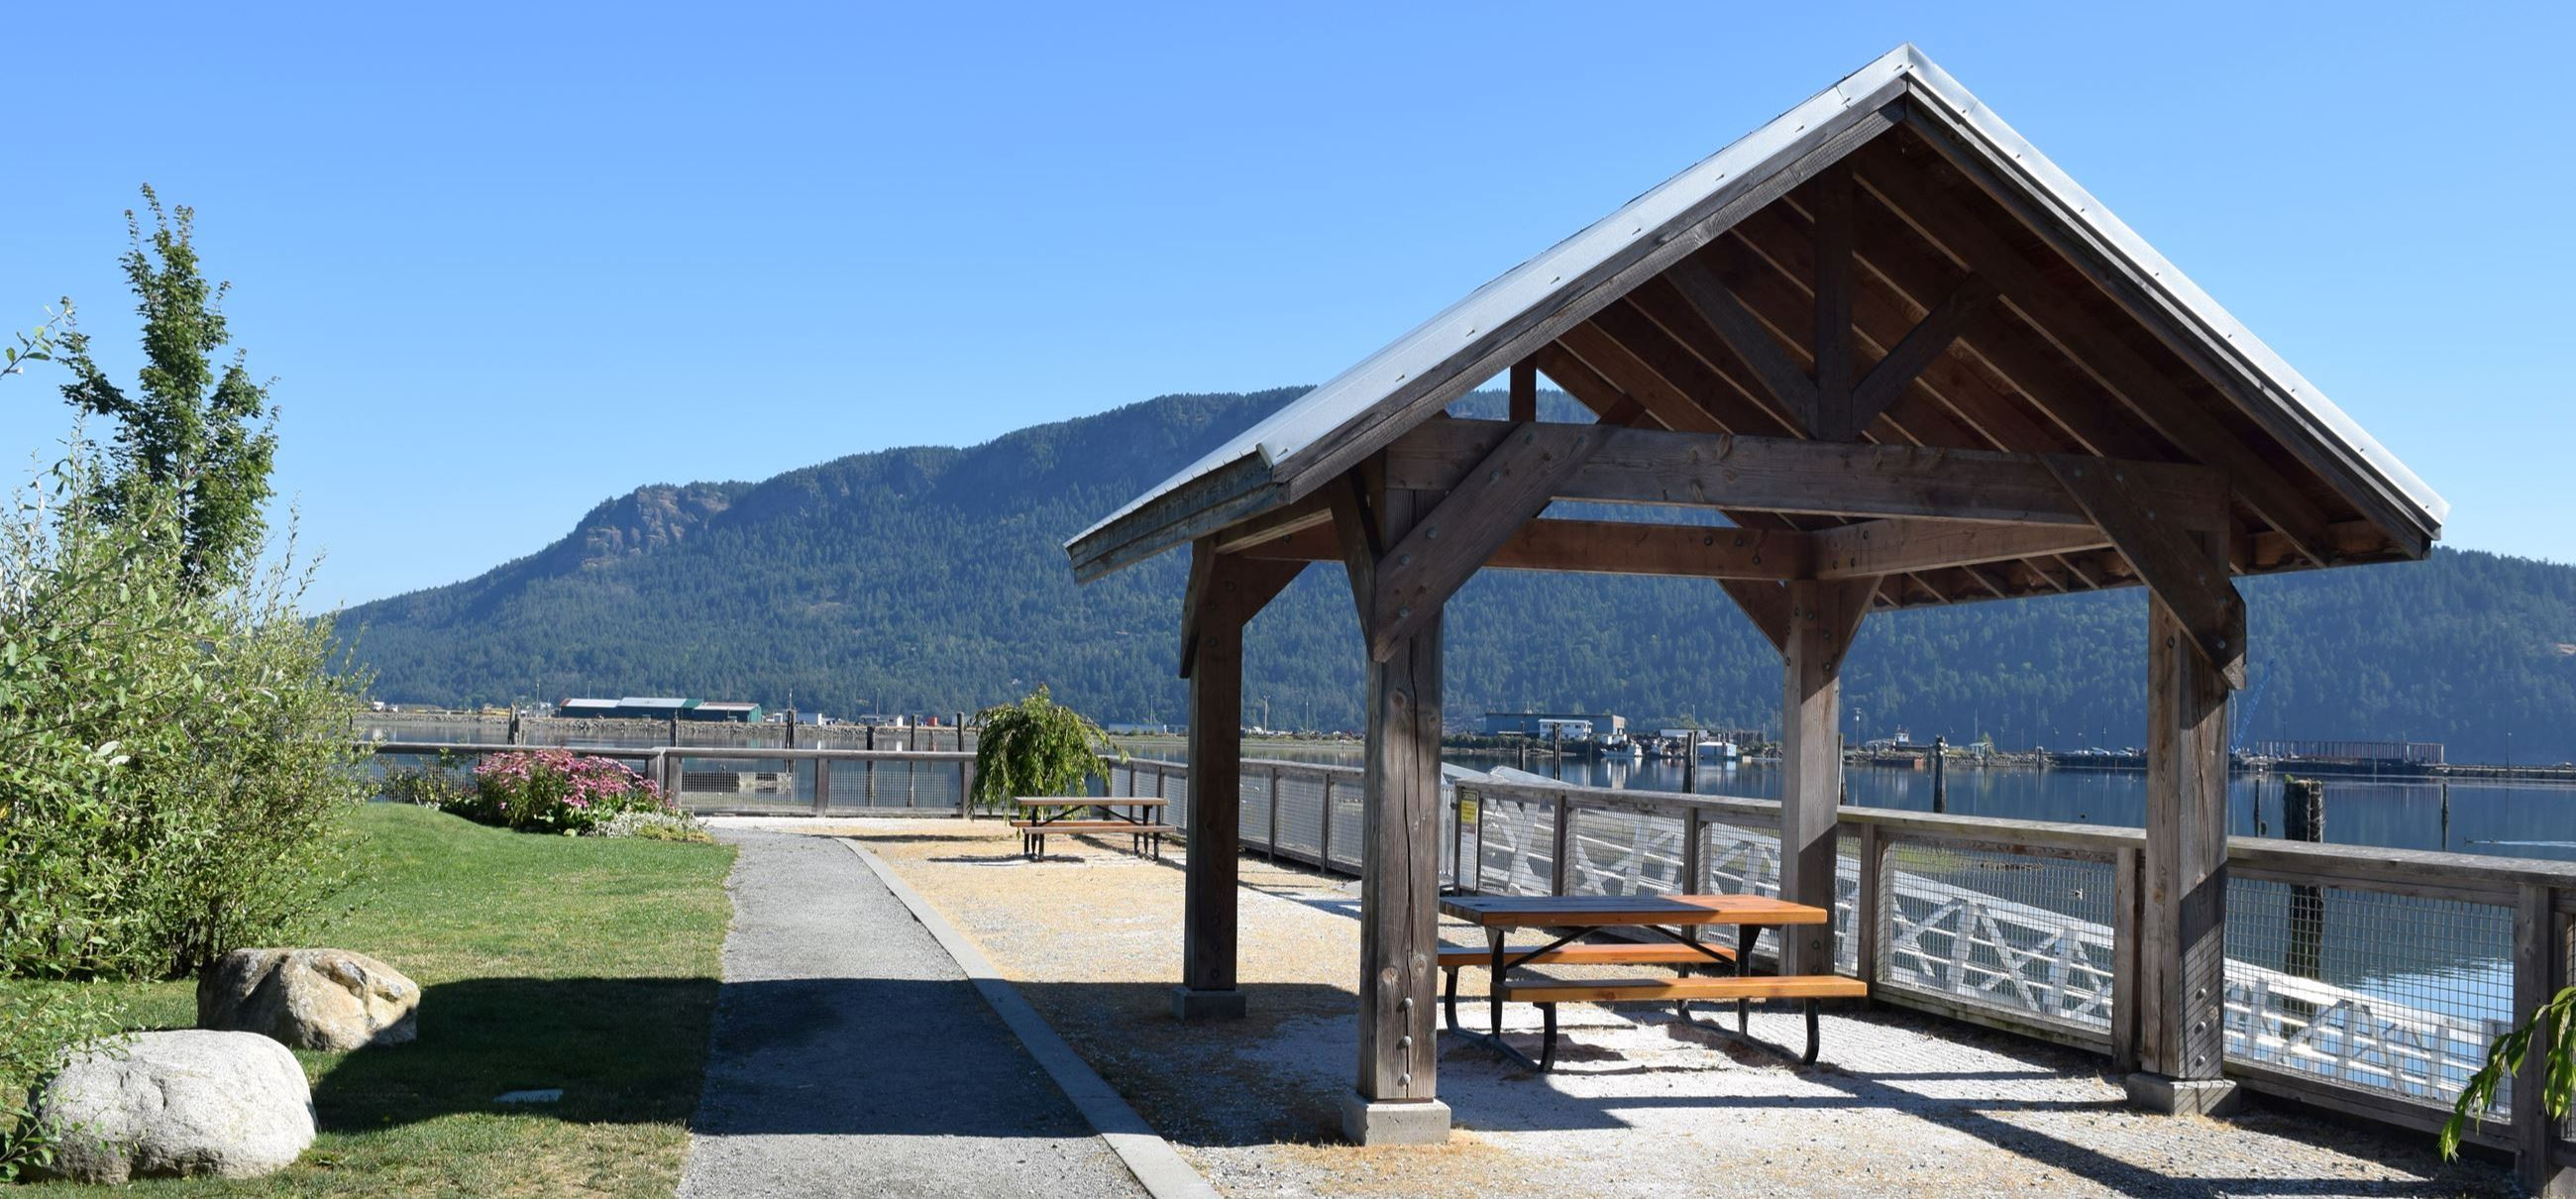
(1043, 814)
(1667, 916)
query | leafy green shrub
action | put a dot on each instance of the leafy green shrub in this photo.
(554, 791)
(648, 825)
(1035, 747)
(36, 1023)
(175, 762)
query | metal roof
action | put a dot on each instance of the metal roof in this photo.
(1253, 458)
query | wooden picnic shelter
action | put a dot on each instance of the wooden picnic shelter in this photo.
(1911, 364)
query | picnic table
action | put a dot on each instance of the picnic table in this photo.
(1669, 917)
(1141, 821)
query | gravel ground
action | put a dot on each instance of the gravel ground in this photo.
(852, 1057)
(1639, 1104)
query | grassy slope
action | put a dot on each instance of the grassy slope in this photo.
(586, 964)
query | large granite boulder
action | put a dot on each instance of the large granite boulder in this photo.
(327, 999)
(174, 1104)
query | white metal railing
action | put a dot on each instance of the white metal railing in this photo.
(2362, 979)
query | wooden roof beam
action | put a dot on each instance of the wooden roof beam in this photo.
(1611, 547)
(1775, 474)
(2157, 400)
(1896, 546)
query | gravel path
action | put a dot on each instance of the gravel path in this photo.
(1640, 1105)
(852, 1057)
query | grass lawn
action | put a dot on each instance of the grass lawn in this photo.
(582, 963)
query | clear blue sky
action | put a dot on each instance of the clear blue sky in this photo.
(508, 262)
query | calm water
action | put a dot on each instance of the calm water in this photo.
(2522, 820)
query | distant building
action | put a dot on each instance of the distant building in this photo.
(1133, 729)
(661, 707)
(728, 711)
(1545, 725)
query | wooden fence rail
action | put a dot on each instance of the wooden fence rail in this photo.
(887, 779)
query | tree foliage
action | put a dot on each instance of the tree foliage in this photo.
(175, 764)
(1035, 747)
(2551, 1024)
(190, 433)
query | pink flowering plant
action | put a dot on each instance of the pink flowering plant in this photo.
(553, 791)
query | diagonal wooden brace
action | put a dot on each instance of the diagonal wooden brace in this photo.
(1504, 491)
(2185, 566)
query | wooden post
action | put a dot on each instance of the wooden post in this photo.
(2124, 960)
(822, 784)
(1524, 395)
(2303, 818)
(1811, 768)
(2539, 971)
(1215, 829)
(1561, 848)
(1225, 592)
(1324, 836)
(1869, 910)
(2182, 905)
(1940, 775)
(1273, 824)
(1395, 1100)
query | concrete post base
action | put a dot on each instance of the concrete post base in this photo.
(2182, 1096)
(1379, 1122)
(1189, 1005)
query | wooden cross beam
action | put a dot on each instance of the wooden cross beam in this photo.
(1652, 466)
(1610, 547)
(1885, 547)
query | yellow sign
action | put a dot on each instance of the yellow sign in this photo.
(1466, 811)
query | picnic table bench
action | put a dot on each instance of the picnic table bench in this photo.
(1140, 823)
(1664, 915)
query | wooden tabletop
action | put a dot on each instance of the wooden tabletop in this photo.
(1105, 801)
(1605, 911)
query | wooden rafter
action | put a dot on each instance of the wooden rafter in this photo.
(1524, 393)
(2112, 362)
(1987, 418)
(1716, 303)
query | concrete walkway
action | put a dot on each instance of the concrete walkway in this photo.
(852, 1056)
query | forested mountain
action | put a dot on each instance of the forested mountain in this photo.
(932, 579)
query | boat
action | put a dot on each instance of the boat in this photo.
(1619, 745)
(1723, 751)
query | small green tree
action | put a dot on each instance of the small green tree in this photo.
(2554, 1023)
(203, 437)
(1036, 747)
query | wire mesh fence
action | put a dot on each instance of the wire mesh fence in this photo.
(2390, 993)
(2027, 934)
